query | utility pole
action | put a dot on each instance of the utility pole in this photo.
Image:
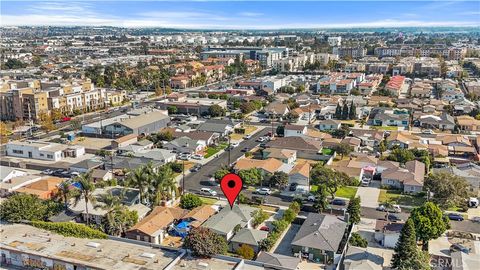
(30, 119)
(229, 150)
(183, 177)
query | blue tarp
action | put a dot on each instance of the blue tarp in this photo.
(181, 229)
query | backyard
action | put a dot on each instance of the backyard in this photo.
(327, 151)
(395, 197)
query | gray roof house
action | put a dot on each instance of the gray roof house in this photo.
(162, 155)
(361, 258)
(320, 237)
(86, 165)
(249, 237)
(443, 121)
(220, 126)
(225, 220)
(185, 145)
(143, 124)
(286, 262)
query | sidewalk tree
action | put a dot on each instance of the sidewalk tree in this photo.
(205, 243)
(279, 179)
(353, 210)
(321, 202)
(429, 222)
(328, 177)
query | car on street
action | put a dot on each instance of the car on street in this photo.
(476, 219)
(234, 144)
(459, 247)
(208, 191)
(455, 216)
(261, 139)
(197, 156)
(393, 218)
(263, 191)
(393, 209)
(246, 137)
(245, 149)
(338, 202)
(47, 171)
(196, 168)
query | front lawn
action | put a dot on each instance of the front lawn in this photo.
(209, 201)
(389, 128)
(344, 192)
(238, 136)
(395, 197)
(212, 150)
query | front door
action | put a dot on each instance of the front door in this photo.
(30, 154)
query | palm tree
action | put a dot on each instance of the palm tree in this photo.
(165, 185)
(113, 205)
(86, 192)
(139, 178)
(64, 192)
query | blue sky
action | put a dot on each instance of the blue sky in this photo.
(242, 15)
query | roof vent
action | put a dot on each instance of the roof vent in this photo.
(147, 255)
(93, 244)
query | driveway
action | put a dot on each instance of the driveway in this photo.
(285, 245)
(368, 196)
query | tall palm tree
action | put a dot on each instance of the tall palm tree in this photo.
(139, 178)
(64, 192)
(86, 192)
(165, 185)
(113, 205)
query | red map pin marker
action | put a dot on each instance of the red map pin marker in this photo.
(231, 185)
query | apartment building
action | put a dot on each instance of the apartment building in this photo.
(334, 41)
(353, 52)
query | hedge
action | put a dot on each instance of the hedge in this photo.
(70, 229)
(280, 226)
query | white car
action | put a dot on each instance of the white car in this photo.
(208, 191)
(261, 139)
(476, 219)
(264, 191)
(234, 144)
(47, 171)
(184, 156)
(246, 137)
(394, 208)
(311, 198)
(197, 156)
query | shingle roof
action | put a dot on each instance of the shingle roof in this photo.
(324, 232)
(225, 220)
(277, 259)
(249, 236)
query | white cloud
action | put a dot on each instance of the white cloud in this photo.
(250, 14)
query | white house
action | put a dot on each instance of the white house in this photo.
(7, 173)
(329, 124)
(295, 131)
(43, 150)
(387, 234)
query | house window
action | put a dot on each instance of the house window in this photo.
(17, 151)
(390, 182)
(42, 155)
(50, 156)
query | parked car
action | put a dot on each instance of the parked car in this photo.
(338, 202)
(263, 191)
(455, 216)
(246, 149)
(208, 191)
(473, 202)
(234, 144)
(264, 228)
(393, 218)
(197, 156)
(394, 208)
(74, 174)
(47, 171)
(246, 137)
(184, 156)
(293, 186)
(311, 198)
(261, 139)
(66, 119)
(476, 219)
(365, 182)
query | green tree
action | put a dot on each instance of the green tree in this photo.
(429, 223)
(75, 124)
(343, 149)
(251, 176)
(87, 187)
(221, 173)
(22, 207)
(353, 210)
(190, 201)
(357, 240)
(449, 190)
(164, 184)
(279, 179)
(345, 111)
(382, 147)
(401, 155)
(216, 111)
(338, 112)
(65, 192)
(328, 177)
(352, 114)
(205, 243)
(139, 178)
(172, 110)
(321, 203)
(245, 251)
(407, 255)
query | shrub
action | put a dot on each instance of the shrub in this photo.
(279, 225)
(70, 229)
(190, 201)
(289, 215)
(295, 207)
(246, 252)
(357, 240)
(23, 207)
(243, 199)
(259, 216)
(176, 167)
(205, 243)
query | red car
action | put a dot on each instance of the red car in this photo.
(264, 228)
(66, 119)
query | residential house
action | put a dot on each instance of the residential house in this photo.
(468, 123)
(409, 179)
(320, 238)
(162, 155)
(284, 155)
(295, 131)
(124, 141)
(208, 136)
(329, 124)
(402, 139)
(274, 259)
(387, 233)
(443, 122)
(86, 165)
(300, 174)
(368, 137)
(185, 145)
(362, 258)
(218, 126)
(99, 175)
(267, 166)
(45, 188)
(7, 173)
(305, 147)
(353, 142)
(249, 237)
(276, 110)
(389, 117)
(224, 222)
